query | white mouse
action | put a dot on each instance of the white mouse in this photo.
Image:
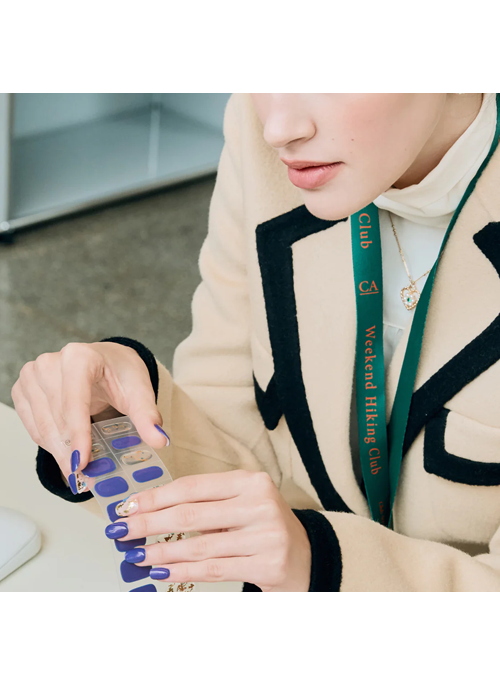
(20, 540)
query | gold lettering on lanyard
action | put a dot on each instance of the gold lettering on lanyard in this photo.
(371, 402)
(363, 234)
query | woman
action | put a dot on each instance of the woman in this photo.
(292, 475)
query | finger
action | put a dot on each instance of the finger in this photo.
(23, 408)
(234, 544)
(47, 371)
(132, 393)
(45, 429)
(208, 487)
(242, 569)
(183, 517)
(60, 451)
(80, 368)
(143, 411)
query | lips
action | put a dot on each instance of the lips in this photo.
(309, 175)
(302, 164)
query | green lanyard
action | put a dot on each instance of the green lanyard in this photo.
(381, 446)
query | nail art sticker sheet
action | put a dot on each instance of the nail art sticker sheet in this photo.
(129, 466)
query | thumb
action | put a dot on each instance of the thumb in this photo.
(147, 419)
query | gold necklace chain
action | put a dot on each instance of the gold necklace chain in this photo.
(410, 295)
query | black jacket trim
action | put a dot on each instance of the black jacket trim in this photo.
(449, 466)
(250, 587)
(468, 364)
(326, 557)
(274, 247)
(268, 403)
(47, 468)
(50, 476)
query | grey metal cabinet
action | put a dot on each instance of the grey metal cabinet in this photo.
(65, 152)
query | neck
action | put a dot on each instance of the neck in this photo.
(458, 114)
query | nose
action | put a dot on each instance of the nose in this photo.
(287, 122)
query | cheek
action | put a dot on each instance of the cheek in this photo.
(387, 131)
(371, 133)
(376, 148)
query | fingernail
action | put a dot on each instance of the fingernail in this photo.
(159, 573)
(163, 433)
(80, 483)
(135, 555)
(127, 507)
(72, 483)
(116, 530)
(75, 460)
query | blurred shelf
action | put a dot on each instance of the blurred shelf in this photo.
(61, 153)
(67, 169)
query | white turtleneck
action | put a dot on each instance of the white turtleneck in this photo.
(421, 214)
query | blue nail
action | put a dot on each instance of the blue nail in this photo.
(159, 573)
(135, 555)
(163, 433)
(72, 483)
(75, 460)
(116, 530)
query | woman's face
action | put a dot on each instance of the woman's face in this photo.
(377, 137)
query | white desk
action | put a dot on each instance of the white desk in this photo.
(75, 554)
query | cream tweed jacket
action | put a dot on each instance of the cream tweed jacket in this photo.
(265, 379)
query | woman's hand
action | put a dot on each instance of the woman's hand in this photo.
(56, 395)
(249, 533)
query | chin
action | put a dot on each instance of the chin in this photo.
(325, 207)
(334, 205)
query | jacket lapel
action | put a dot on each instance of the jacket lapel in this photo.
(307, 278)
(462, 332)
(312, 329)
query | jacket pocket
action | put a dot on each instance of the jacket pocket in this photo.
(462, 450)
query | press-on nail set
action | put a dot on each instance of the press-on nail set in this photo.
(122, 464)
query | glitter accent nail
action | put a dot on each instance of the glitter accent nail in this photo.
(80, 483)
(127, 507)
